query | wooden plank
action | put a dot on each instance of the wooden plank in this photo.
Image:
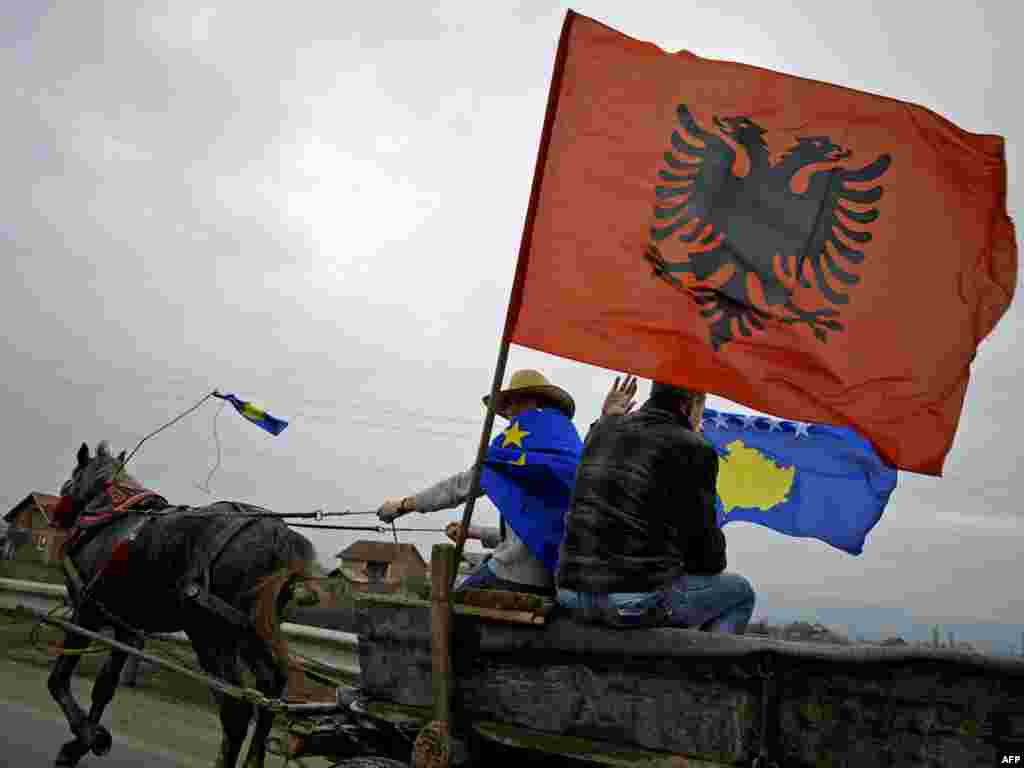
(497, 614)
(432, 747)
(496, 598)
(592, 750)
(441, 563)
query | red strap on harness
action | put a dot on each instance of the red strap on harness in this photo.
(62, 513)
(132, 500)
(122, 500)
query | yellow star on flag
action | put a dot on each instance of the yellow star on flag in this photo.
(514, 435)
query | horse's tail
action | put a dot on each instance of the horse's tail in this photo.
(272, 595)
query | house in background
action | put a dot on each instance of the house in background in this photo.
(380, 566)
(32, 514)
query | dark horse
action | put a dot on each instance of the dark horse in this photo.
(220, 573)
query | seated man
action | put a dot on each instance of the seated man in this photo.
(528, 476)
(642, 545)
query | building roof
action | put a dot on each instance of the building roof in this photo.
(44, 502)
(380, 552)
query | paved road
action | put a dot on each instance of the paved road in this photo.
(148, 730)
(32, 738)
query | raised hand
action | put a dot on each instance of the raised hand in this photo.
(620, 398)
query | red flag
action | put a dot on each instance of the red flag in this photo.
(812, 251)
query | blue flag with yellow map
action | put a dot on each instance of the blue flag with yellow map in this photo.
(256, 415)
(808, 480)
(529, 474)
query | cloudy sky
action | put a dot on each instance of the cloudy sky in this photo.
(285, 201)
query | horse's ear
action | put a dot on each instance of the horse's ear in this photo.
(83, 455)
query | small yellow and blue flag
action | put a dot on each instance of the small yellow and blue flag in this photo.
(257, 416)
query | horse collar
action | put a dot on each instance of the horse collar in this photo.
(123, 499)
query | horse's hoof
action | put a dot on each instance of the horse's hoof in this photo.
(71, 753)
(102, 741)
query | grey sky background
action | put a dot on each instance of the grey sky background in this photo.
(318, 206)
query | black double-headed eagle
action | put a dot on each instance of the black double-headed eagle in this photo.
(759, 225)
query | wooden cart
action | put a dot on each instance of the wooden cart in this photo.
(502, 674)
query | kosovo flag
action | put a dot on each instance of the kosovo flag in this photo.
(529, 474)
(257, 416)
(808, 480)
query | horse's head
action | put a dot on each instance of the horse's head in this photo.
(91, 480)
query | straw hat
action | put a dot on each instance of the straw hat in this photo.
(533, 383)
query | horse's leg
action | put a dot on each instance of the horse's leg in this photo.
(59, 684)
(130, 674)
(222, 662)
(271, 681)
(103, 691)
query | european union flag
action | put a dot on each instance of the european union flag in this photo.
(529, 474)
(257, 416)
(808, 480)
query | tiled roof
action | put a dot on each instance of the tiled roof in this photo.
(44, 502)
(381, 552)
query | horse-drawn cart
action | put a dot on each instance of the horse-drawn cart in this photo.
(465, 676)
(524, 683)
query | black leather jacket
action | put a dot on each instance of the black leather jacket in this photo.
(643, 510)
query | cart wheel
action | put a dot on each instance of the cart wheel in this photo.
(370, 762)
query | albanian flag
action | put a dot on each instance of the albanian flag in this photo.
(812, 251)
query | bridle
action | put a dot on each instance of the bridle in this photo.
(124, 497)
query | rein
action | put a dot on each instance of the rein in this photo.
(123, 498)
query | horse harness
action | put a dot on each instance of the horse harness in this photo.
(83, 528)
(196, 584)
(194, 588)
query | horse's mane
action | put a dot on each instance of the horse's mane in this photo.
(129, 481)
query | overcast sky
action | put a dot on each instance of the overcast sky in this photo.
(318, 206)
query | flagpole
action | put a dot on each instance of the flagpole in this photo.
(512, 313)
(481, 453)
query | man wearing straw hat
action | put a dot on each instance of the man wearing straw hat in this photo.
(528, 475)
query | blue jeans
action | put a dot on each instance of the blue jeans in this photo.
(721, 602)
(483, 577)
